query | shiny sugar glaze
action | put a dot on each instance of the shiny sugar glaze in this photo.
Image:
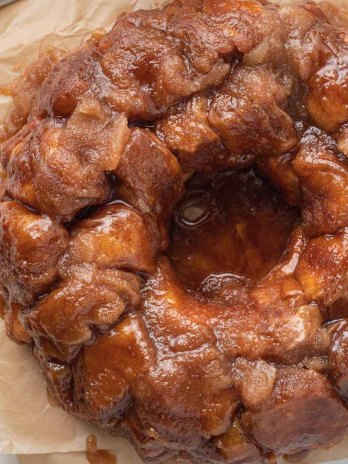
(163, 134)
(96, 456)
(229, 223)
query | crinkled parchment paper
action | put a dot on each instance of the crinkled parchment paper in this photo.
(29, 426)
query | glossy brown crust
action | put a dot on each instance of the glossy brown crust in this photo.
(96, 157)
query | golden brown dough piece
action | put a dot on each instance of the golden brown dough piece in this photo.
(169, 293)
(31, 245)
(228, 129)
(59, 169)
(115, 236)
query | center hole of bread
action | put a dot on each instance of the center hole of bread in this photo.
(228, 223)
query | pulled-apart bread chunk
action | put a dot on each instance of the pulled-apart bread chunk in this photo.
(31, 245)
(61, 168)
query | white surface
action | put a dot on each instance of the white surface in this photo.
(8, 459)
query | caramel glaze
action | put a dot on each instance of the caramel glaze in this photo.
(230, 223)
(297, 457)
(96, 456)
(106, 147)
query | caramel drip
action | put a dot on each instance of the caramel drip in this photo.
(95, 456)
(2, 307)
(297, 457)
(54, 403)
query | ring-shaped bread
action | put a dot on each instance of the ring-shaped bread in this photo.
(94, 156)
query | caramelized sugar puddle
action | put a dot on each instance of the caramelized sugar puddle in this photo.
(229, 223)
(97, 456)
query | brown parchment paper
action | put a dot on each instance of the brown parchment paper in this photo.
(29, 426)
